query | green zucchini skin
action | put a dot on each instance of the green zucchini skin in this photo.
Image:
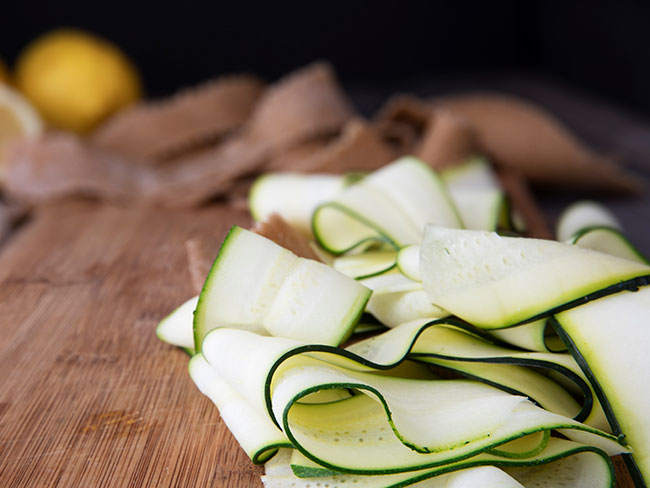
(198, 325)
(608, 240)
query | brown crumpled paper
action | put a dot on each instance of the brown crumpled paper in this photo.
(358, 148)
(57, 165)
(279, 231)
(524, 137)
(306, 105)
(156, 131)
(401, 121)
(514, 133)
(447, 140)
(304, 123)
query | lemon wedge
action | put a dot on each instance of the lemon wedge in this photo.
(17, 119)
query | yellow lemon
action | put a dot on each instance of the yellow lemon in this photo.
(17, 119)
(76, 79)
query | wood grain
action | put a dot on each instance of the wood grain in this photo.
(88, 395)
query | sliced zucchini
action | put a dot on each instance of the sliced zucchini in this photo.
(523, 373)
(258, 436)
(561, 463)
(431, 426)
(365, 265)
(390, 205)
(176, 328)
(494, 282)
(408, 262)
(608, 240)
(394, 309)
(256, 285)
(480, 209)
(377, 414)
(534, 336)
(476, 172)
(584, 214)
(477, 193)
(294, 196)
(395, 425)
(456, 346)
(610, 339)
(524, 447)
(391, 282)
(397, 299)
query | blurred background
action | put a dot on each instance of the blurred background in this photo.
(599, 47)
(584, 61)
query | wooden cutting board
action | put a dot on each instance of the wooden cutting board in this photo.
(88, 396)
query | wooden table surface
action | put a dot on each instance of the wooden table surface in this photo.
(88, 396)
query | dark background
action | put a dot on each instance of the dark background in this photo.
(599, 47)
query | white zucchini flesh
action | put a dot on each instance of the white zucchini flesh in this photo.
(447, 345)
(255, 284)
(294, 196)
(418, 191)
(480, 209)
(361, 213)
(396, 300)
(513, 370)
(534, 336)
(441, 422)
(279, 474)
(582, 470)
(258, 436)
(313, 428)
(391, 204)
(583, 214)
(611, 339)
(408, 262)
(477, 193)
(608, 240)
(494, 282)
(474, 173)
(176, 328)
(396, 308)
